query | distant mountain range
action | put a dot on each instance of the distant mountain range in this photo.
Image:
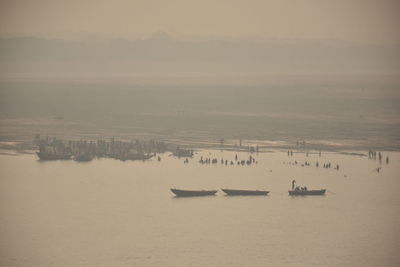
(162, 53)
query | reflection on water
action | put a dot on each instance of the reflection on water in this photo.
(179, 197)
(112, 213)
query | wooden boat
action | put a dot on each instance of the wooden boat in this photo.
(235, 192)
(83, 157)
(307, 192)
(138, 156)
(193, 193)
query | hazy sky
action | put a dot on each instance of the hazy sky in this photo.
(353, 20)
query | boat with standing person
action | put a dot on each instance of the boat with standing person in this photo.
(303, 191)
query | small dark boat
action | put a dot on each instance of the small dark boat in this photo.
(234, 192)
(83, 158)
(138, 156)
(193, 193)
(307, 192)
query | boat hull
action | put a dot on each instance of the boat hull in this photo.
(234, 192)
(135, 157)
(193, 193)
(307, 192)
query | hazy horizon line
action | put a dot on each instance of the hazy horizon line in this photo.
(183, 37)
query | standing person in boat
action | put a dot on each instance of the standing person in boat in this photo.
(293, 183)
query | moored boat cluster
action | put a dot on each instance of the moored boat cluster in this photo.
(83, 150)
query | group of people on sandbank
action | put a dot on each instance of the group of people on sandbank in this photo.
(307, 164)
(328, 166)
(290, 153)
(377, 155)
(372, 155)
(240, 162)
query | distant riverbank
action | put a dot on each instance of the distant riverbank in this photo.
(358, 148)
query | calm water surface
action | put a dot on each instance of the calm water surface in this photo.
(112, 213)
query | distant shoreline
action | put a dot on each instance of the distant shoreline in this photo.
(18, 134)
(28, 147)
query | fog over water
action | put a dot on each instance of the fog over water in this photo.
(273, 89)
(285, 108)
(102, 104)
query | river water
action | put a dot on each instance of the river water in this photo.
(112, 213)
